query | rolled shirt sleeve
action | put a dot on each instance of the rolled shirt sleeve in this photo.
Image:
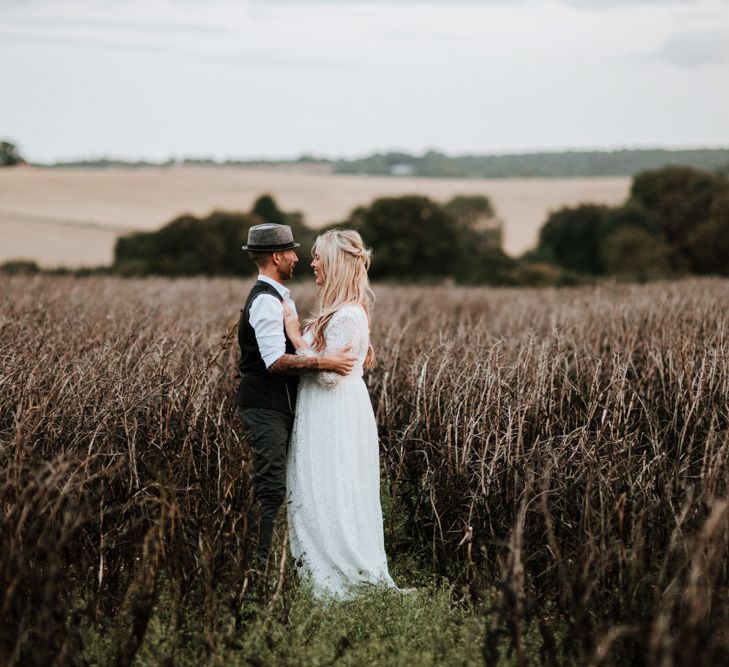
(266, 318)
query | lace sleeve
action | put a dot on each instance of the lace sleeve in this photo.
(340, 332)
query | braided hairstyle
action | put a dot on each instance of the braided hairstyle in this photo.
(344, 261)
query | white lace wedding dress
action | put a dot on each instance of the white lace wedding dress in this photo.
(333, 473)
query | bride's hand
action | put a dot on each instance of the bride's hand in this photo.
(291, 323)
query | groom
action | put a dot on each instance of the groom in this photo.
(269, 369)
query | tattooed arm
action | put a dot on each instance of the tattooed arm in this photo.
(340, 362)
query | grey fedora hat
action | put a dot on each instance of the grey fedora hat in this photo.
(270, 237)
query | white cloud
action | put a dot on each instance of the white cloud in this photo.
(64, 23)
(694, 49)
(622, 4)
(235, 78)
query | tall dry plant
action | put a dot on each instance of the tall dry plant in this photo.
(561, 454)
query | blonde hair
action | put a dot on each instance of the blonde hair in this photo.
(344, 262)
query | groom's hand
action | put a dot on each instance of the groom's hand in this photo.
(341, 362)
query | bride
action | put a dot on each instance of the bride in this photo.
(333, 472)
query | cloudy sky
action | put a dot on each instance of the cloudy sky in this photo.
(278, 78)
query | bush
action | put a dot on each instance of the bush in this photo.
(533, 273)
(416, 238)
(708, 244)
(680, 199)
(476, 213)
(480, 234)
(676, 220)
(412, 237)
(14, 266)
(631, 253)
(266, 208)
(571, 237)
(204, 246)
(188, 246)
(9, 154)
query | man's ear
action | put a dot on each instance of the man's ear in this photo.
(275, 258)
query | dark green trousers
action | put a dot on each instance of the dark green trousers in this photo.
(268, 432)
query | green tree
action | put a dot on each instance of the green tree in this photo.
(680, 199)
(632, 253)
(709, 242)
(265, 207)
(412, 237)
(415, 238)
(535, 273)
(675, 220)
(630, 215)
(571, 238)
(209, 246)
(9, 154)
(188, 246)
(23, 266)
(480, 234)
(475, 213)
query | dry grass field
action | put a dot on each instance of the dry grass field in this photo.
(555, 469)
(72, 217)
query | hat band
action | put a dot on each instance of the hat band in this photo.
(272, 248)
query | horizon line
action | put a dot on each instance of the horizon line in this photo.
(324, 158)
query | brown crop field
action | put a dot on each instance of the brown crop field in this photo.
(72, 217)
(555, 468)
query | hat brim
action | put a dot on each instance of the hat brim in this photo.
(271, 248)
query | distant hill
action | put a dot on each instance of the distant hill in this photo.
(435, 164)
(566, 164)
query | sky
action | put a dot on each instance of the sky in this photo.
(228, 79)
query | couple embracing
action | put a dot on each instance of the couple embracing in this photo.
(307, 412)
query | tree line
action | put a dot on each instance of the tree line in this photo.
(530, 165)
(413, 238)
(436, 164)
(674, 222)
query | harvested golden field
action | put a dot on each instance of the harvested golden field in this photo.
(555, 479)
(72, 217)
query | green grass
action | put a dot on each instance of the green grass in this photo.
(427, 627)
(433, 625)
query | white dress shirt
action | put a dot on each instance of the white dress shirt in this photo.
(267, 319)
